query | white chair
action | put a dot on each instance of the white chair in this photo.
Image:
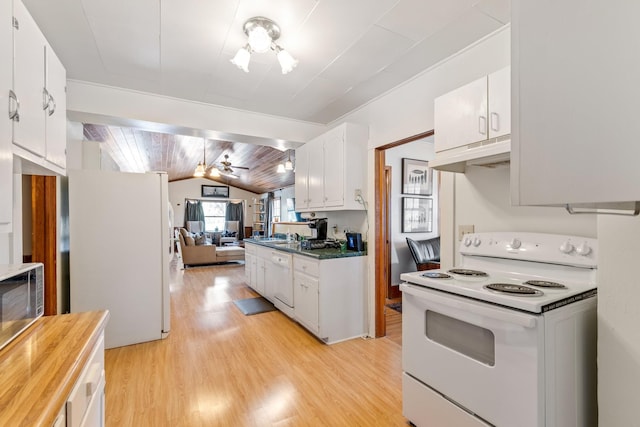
(230, 226)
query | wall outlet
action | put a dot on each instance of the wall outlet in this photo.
(464, 229)
(357, 194)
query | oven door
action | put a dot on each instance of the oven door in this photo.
(485, 358)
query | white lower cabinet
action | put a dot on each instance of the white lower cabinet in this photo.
(85, 404)
(329, 296)
(306, 290)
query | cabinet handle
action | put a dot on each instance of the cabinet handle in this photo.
(14, 114)
(482, 125)
(52, 101)
(634, 212)
(45, 98)
(495, 122)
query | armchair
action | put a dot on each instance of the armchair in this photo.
(425, 253)
(233, 227)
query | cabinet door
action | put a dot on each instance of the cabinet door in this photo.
(306, 300)
(6, 157)
(460, 116)
(29, 81)
(248, 260)
(260, 276)
(301, 186)
(316, 174)
(334, 169)
(500, 103)
(575, 124)
(56, 123)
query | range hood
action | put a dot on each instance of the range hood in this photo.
(489, 153)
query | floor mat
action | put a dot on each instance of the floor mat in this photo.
(256, 305)
(396, 306)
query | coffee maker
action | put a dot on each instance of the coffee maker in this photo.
(319, 225)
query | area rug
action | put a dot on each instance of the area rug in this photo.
(249, 306)
(396, 306)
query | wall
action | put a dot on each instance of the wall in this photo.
(618, 321)
(482, 199)
(191, 189)
(401, 260)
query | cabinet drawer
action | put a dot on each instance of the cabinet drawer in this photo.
(307, 266)
(86, 387)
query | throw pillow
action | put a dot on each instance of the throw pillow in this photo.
(189, 241)
(200, 240)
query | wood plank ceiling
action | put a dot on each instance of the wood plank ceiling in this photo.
(137, 150)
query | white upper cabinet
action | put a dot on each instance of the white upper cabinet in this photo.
(460, 116)
(6, 158)
(301, 185)
(56, 113)
(473, 123)
(330, 170)
(39, 83)
(575, 95)
(28, 82)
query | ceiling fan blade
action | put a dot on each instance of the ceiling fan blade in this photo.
(241, 167)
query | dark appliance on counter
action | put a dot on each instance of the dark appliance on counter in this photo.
(319, 244)
(320, 226)
(354, 242)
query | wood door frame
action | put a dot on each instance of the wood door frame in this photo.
(44, 235)
(381, 252)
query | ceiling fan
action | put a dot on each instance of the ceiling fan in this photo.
(224, 168)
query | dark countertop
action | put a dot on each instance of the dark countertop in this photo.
(294, 248)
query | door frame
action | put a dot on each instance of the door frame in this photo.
(380, 229)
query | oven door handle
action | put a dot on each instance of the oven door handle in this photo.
(470, 307)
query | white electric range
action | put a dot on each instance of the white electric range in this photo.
(506, 338)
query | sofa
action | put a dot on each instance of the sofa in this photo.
(204, 253)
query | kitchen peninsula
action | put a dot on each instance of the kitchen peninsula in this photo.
(322, 289)
(53, 373)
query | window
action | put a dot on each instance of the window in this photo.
(214, 215)
(275, 210)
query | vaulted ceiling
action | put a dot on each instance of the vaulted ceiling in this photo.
(349, 51)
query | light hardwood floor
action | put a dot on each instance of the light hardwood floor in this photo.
(221, 368)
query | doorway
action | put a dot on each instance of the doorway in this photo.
(383, 229)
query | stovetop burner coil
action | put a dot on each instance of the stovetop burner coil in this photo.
(467, 272)
(545, 284)
(436, 275)
(511, 289)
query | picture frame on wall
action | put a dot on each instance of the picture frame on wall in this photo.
(417, 215)
(215, 191)
(417, 177)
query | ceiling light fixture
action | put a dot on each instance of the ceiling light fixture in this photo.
(286, 166)
(262, 33)
(202, 166)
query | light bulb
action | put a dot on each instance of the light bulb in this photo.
(280, 168)
(288, 165)
(199, 170)
(214, 172)
(241, 60)
(259, 39)
(287, 62)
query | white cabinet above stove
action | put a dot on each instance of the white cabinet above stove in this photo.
(473, 123)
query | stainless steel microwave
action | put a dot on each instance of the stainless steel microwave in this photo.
(21, 298)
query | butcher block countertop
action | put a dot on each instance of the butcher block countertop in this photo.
(39, 368)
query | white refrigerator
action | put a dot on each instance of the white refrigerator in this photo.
(119, 242)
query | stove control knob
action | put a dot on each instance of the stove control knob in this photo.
(477, 242)
(467, 241)
(566, 247)
(584, 249)
(516, 243)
